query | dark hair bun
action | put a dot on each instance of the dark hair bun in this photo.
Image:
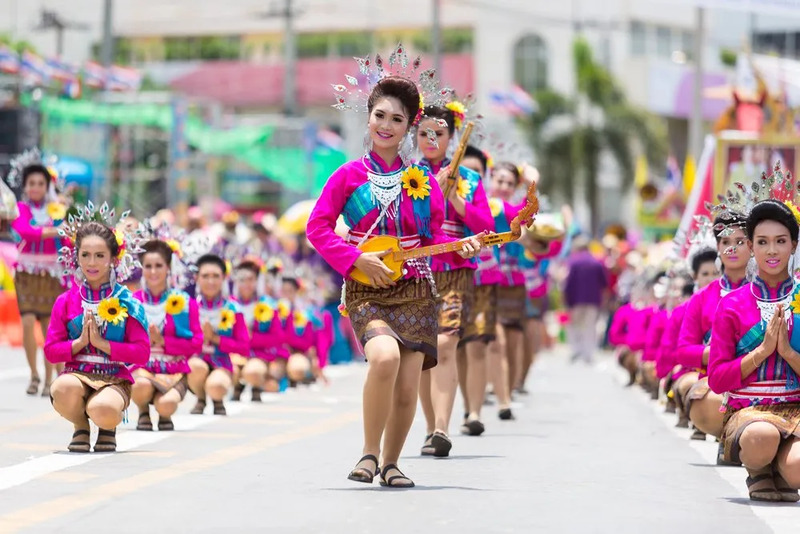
(772, 210)
(400, 88)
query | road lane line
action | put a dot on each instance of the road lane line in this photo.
(42, 512)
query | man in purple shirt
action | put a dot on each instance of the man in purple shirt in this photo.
(584, 291)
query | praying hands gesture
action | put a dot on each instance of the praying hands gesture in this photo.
(783, 346)
(96, 339)
(209, 335)
(156, 339)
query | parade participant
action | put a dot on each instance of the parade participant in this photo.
(639, 321)
(246, 295)
(37, 278)
(481, 323)
(396, 321)
(704, 271)
(754, 358)
(266, 366)
(652, 339)
(733, 252)
(97, 328)
(175, 336)
(466, 211)
(301, 333)
(224, 333)
(618, 336)
(667, 368)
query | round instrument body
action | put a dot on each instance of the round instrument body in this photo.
(381, 243)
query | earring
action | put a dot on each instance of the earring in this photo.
(791, 265)
(367, 142)
(79, 276)
(112, 276)
(718, 264)
(406, 149)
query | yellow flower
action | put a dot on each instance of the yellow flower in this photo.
(56, 211)
(459, 112)
(175, 304)
(464, 188)
(227, 320)
(174, 246)
(300, 320)
(415, 182)
(120, 242)
(795, 211)
(796, 304)
(264, 312)
(111, 311)
(283, 309)
(496, 206)
(421, 102)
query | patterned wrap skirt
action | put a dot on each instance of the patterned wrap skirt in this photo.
(406, 311)
(97, 382)
(457, 291)
(784, 417)
(511, 305)
(698, 391)
(36, 293)
(482, 316)
(163, 382)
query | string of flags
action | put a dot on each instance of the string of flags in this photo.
(37, 70)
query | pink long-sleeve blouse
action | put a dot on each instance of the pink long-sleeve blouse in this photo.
(36, 255)
(637, 327)
(655, 331)
(268, 336)
(133, 349)
(234, 340)
(177, 317)
(618, 332)
(667, 360)
(347, 192)
(477, 215)
(738, 329)
(696, 330)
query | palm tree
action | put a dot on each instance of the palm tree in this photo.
(571, 134)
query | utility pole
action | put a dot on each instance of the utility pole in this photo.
(290, 49)
(437, 37)
(696, 120)
(51, 20)
(107, 50)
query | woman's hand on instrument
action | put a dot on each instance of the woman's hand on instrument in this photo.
(371, 264)
(442, 176)
(471, 246)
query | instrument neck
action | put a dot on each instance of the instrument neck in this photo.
(488, 240)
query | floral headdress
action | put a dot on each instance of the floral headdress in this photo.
(180, 274)
(34, 156)
(701, 239)
(354, 95)
(464, 111)
(129, 240)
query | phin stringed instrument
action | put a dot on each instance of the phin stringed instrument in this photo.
(458, 156)
(398, 255)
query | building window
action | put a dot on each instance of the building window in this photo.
(663, 42)
(530, 63)
(638, 39)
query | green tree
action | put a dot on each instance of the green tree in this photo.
(570, 134)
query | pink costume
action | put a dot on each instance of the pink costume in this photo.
(347, 192)
(669, 341)
(131, 347)
(181, 330)
(738, 330)
(655, 331)
(36, 255)
(637, 328)
(618, 333)
(233, 339)
(696, 330)
(477, 216)
(268, 335)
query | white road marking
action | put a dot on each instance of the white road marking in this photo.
(128, 439)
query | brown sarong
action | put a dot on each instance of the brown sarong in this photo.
(98, 382)
(482, 316)
(457, 290)
(698, 391)
(511, 306)
(784, 417)
(406, 311)
(36, 293)
(164, 383)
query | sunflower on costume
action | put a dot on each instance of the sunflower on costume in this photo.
(56, 211)
(300, 320)
(111, 311)
(175, 304)
(283, 309)
(415, 182)
(795, 306)
(464, 188)
(795, 210)
(496, 206)
(263, 312)
(227, 320)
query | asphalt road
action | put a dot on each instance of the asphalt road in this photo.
(585, 455)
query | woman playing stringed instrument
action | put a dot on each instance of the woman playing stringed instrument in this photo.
(380, 194)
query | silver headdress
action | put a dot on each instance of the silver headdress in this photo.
(180, 274)
(130, 240)
(701, 239)
(30, 157)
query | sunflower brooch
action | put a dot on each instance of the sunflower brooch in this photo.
(175, 304)
(263, 312)
(227, 320)
(795, 306)
(464, 188)
(283, 309)
(111, 311)
(56, 211)
(415, 182)
(300, 320)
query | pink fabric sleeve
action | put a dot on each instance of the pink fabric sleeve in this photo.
(666, 357)
(325, 338)
(437, 218)
(322, 222)
(655, 331)
(136, 347)
(179, 346)
(477, 214)
(724, 367)
(617, 333)
(22, 224)
(239, 342)
(689, 352)
(57, 345)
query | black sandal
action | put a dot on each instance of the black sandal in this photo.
(787, 493)
(109, 444)
(698, 435)
(475, 427)
(199, 408)
(77, 445)
(362, 474)
(144, 423)
(505, 414)
(427, 447)
(441, 445)
(165, 424)
(256, 395)
(33, 386)
(238, 389)
(390, 482)
(219, 408)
